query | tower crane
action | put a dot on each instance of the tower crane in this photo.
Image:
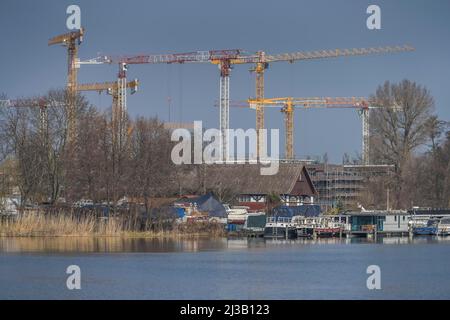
(225, 59)
(70, 40)
(41, 103)
(288, 104)
(263, 60)
(119, 113)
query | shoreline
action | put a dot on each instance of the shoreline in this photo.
(89, 225)
(143, 235)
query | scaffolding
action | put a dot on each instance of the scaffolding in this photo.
(342, 185)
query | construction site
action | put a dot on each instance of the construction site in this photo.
(239, 150)
(334, 186)
(225, 60)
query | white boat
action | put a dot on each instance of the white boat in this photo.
(319, 226)
(236, 214)
(305, 226)
(280, 228)
(418, 222)
(444, 227)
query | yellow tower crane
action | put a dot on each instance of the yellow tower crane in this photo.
(70, 40)
(288, 104)
(262, 61)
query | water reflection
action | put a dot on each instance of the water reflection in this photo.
(117, 244)
(108, 244)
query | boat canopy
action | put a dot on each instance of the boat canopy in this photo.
(306, 210)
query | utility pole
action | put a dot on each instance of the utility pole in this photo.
(387, 199)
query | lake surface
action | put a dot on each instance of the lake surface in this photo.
(114, 268)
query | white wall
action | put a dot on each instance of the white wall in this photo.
(392, 223)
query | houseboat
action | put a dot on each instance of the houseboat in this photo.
(285, 220)
(305, 226)
(308, 227)
(280, 228)
(380, 222)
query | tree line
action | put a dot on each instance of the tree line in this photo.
(37, 157)
(47, 168)
(407, 135)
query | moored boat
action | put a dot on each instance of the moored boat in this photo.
(430, 229)
(280, 228)
(317, 227)
(305, 231)
(327, 231)
(305, 226)
(236, 214)
(444, 227)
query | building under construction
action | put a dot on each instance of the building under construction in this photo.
(343, 185)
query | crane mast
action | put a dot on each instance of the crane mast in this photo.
(70, 40)
(365, 113)
(224, 98)
(288, 111)
(259, 70)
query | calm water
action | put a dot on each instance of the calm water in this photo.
(224, 269)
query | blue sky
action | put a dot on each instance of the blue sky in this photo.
(29, 67)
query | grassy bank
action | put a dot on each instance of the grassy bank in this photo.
(68, 224)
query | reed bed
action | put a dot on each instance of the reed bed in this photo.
(71, 224)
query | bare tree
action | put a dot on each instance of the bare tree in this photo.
(86, 176)
(399, 128)
(57, 155)
(435, 162)
(446, 164)
(21, 143)
(150, 164)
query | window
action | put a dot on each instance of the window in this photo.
(245, 198)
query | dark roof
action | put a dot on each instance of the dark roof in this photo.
(376, 213)
(207, 203)
(306, 210)
(292, 179)
(426, 211)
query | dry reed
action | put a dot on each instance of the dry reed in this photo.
(70, 224)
